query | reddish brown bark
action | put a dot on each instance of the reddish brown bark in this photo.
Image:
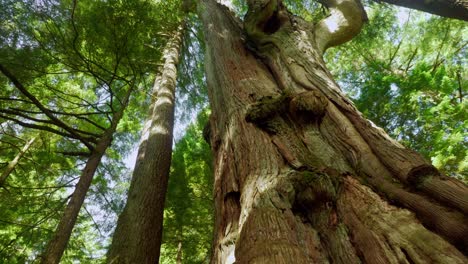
(300, 175)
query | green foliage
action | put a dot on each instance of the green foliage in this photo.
(309, 10)
(406, 75)
(78, 59)
(32, 198)
(188, 217)
(191, 92)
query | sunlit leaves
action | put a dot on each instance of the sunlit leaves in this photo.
(404, 72)
(188, 217)
(78, 58)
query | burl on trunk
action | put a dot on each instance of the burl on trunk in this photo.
(300, 175)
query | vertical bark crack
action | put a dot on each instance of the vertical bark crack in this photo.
(407, 255)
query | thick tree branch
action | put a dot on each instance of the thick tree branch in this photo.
(49, 129)
(19, 113)
(457, 9)
(345, 21)
(77, 116)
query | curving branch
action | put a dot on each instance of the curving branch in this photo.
(345, 21)
(265, 17)
(457, 9)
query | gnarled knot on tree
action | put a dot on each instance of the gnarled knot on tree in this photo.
(314, 190)
(308, 189)
(306, 107)
(419, 174)
(265, 109)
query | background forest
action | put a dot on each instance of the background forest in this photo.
(73, 71)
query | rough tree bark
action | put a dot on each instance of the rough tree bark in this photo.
(300, 175)
(12, 164)
(59, 241)
(137, 238)
(457, 9)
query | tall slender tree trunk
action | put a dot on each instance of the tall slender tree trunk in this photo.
(12, 164)
(300, 175)
(137, 237)
(59, 241)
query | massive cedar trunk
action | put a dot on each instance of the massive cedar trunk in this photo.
(300, 175)
(59, 241)
(137, 238)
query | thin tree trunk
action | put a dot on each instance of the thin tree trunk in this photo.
(137, 237)
(59, 241)
(11, 166)
(300, 175)
(179, 253)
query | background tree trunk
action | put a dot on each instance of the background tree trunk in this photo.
(179, 253)
(59, 241)
(137, 238)
(300, 175)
